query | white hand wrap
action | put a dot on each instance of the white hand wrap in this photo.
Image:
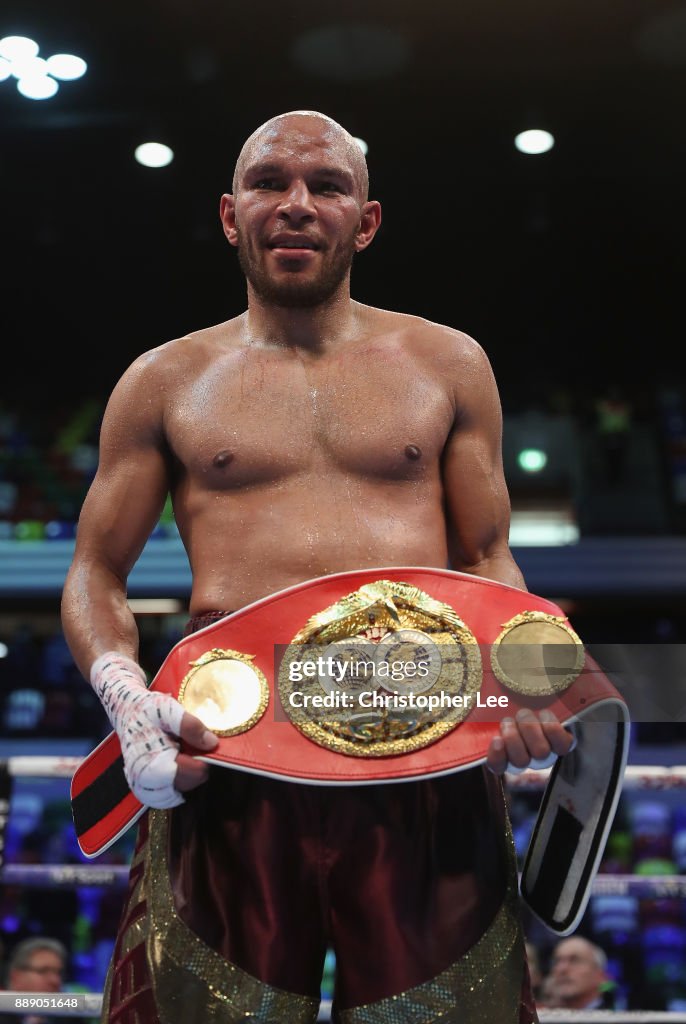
(142, 720)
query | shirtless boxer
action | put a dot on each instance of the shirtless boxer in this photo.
(309, 435)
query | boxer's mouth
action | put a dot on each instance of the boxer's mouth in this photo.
(291, 241)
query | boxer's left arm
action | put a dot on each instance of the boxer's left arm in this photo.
(478, 522)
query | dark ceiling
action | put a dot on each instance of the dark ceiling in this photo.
(568, 267)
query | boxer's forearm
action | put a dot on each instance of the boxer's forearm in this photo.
(498, 565)
(95, 615)
(103, 638)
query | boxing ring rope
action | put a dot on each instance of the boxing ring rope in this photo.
(43, 767)
(65, 876)
(637, 777)
(610, 1016)
(640, 776)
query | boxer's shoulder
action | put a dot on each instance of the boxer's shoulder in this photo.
(198, 346)
(419, 332)
(449, 352)
(181, 359)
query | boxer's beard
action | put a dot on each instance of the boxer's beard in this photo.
(296, 289)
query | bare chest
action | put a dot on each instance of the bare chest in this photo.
(259, 417)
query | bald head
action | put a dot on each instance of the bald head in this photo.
(300, 124)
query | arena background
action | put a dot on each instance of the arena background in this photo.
(568, 267)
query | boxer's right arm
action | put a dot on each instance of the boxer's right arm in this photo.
(121, 509)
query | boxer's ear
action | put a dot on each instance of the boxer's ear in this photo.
(370, 220)
(227, 212)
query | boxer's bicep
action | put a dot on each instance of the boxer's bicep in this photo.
(128, 492)
(121, 510)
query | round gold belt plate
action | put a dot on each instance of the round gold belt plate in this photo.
(537, 654)
(384, 671)
(225, 691)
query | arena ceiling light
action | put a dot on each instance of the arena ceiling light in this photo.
(534, 141)
(532, 460)
(67, 67)
(362, 144)
(154, 154)
(38, 87)
(18, 48)
(37, 78)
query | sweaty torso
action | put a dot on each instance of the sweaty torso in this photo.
(288, 465)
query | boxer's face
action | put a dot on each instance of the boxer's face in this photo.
(298, 212)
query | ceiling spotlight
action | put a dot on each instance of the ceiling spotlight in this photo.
(39, 87)
(36, 76)
(18, 48)
(532, 460)
(362, 144)
(154, 154)
(66, 66)
(534, 141)
(29, 67)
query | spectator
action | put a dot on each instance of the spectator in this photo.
(578, 976)
(36, 965)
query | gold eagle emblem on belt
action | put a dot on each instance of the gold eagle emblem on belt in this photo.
(384, 671)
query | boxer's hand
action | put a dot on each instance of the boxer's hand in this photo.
(190, 772)
(528, 738)
(145, 722)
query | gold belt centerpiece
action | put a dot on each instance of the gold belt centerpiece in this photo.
(391, 670)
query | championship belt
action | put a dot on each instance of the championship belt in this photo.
(390, 675)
